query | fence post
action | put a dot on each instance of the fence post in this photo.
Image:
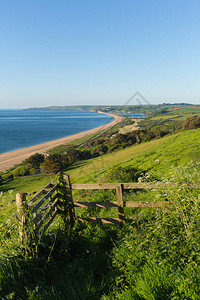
(119, 191)
(70, 199)
(21, 213)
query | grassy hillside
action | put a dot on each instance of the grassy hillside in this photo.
(157, 156)
(154, 257)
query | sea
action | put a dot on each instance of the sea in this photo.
(133, 115)
(23, 128)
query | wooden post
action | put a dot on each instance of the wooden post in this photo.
(70, 199)
(21, 206)
(119, 190)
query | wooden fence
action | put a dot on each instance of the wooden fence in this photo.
(48, 200)
(37, 214)
(119, 204)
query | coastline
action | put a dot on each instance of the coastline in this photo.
(9, 159)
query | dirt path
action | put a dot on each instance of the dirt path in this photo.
(9, 159)
(132, 127)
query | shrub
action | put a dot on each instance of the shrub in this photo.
(34, 160)
(124, 174)
(20, 171)
(191, 123)
(43, 169)
(86, 154)
(123, 139)
(7, 177)
(32, 171)
(101, 149)
(98, 142)
(73, 154)
(55, 163)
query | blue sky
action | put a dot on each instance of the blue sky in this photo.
(98, 51)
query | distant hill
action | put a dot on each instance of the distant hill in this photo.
(69, 107)
(146, 109)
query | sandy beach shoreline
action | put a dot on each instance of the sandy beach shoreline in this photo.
(9, 159)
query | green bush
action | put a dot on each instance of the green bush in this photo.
(73, 154)
(32, 171)
(191, 123)
(34, 160)
(20, 171)
(124, 174)
(55, 163)
(7, 176)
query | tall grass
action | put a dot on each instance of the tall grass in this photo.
(158, 256)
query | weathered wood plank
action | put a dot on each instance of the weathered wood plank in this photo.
(143, 204)
(102, 220)
(41, 212)
(42, 201)
(69, 198)
(40, 193)
(21, 214)
(93, 186)
(48, 213)
(119, 191)
(49, 222)
(131, 185)
(104, 186)
(96, 204)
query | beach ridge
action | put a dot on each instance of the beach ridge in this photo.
(9, 159)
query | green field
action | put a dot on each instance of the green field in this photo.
(181, 113)
(154, 257)
(156, 156)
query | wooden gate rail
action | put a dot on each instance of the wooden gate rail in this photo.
(130, 185)
(119, 204)
(37, 214)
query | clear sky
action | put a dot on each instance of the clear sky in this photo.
(60, 52)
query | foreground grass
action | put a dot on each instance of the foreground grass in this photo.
(154, 257)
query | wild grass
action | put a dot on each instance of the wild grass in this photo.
(28, 184)
(157, 157)
(154, 257)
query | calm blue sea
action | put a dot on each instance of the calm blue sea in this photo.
(134, 115)
(23, 128)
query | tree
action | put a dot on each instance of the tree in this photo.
(55, 163)
(34, 160)
(191, 123)
(73, 154)
(20, 171)
(101, 149)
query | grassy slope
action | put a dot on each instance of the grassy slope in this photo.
(28, 184)
(111, 262)
(157, 155)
